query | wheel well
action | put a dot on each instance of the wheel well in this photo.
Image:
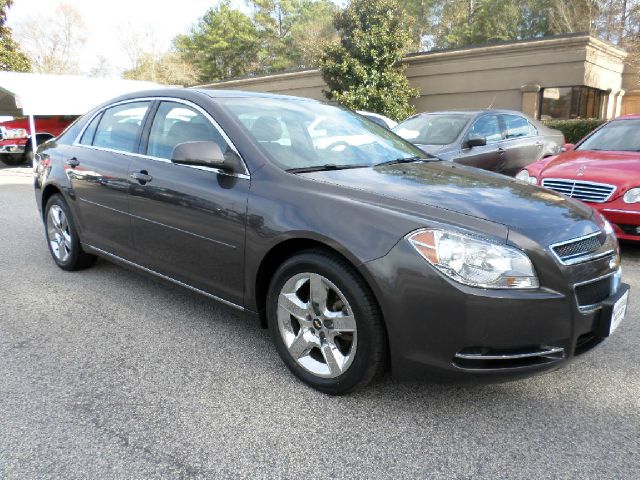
(274, 258)
(48, 191)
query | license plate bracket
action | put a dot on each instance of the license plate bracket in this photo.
(613, 311)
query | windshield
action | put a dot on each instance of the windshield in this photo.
(433, 129)
(299, 134)
(618, 136)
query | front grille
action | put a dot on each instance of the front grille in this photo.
(580, 249)
(576, 248)
(585, 191)
(592, 293)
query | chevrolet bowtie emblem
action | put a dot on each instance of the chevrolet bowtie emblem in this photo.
(581, 170)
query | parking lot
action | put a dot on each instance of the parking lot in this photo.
(108, 374)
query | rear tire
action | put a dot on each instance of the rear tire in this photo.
(325, 323)
(12, 160)
(62, 236)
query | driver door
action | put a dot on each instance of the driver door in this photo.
(490, 156)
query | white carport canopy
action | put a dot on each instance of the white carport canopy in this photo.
(30, 94)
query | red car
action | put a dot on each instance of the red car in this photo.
(603, 170)
(15, 141)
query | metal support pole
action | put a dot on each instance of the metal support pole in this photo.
(34, 142)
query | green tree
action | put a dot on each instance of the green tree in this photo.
(223, 44)
(292, 32)
(168, 68)
(363, 69)
(11, 58)
(477, 22)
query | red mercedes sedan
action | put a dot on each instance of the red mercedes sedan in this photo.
(602, 170)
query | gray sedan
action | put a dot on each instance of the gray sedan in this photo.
(503, 141)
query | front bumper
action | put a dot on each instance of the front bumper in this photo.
(439, 329)
(12, 149)
(625, 218)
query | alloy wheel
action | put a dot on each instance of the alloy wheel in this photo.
(317, 325)
(59, 233)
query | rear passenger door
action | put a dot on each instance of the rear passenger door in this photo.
(98, 168)
(188, 222)
(489, 156)
(522, 144)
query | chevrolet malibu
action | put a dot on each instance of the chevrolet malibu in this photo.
(359, 253)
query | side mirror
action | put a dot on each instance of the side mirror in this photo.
(201, 154)
(476, 142)
(568, 147)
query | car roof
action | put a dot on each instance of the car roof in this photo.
(464, 111)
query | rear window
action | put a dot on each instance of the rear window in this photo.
(619, 136)
(120, 126)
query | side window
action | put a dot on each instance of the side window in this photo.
(517, 126)
(487, 127)
(120, 126)
(176, 123)
(90, 131)
(533, 129)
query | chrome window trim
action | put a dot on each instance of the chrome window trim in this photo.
(579, 258)
(597, 184)
(245, 175)
(164, 277)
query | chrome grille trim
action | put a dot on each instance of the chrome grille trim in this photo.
(581, 190)
(544, 352)
(580, 257)
(615, 283)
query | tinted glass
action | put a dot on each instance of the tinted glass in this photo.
(486, 127)
(432, 129)
(517, 126)
(90, 131)
(620, 135)
(120, 126)
(176, 123)
(303, 134)
(570, 102)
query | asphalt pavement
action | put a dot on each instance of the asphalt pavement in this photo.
(108, 374)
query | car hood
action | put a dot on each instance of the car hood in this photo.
(470, 191)
(615, 168)
(433, 149)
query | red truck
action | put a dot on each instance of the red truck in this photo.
(15, 138)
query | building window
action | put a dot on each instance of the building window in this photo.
(570, 102)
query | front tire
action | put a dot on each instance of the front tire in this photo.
(325, 323)
(62, 236)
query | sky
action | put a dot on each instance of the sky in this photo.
(105, 20)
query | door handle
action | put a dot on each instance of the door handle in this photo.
(73, 162)
(501, 151)
(141, 177)
(538, 144)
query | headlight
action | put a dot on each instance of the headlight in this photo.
(632, 196)
(608, 228)
(14, 133)
(524, 176)
(473, 261)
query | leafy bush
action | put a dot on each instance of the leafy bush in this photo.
(575, 130)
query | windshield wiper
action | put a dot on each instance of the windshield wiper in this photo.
(325, 167)
(427, 158)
